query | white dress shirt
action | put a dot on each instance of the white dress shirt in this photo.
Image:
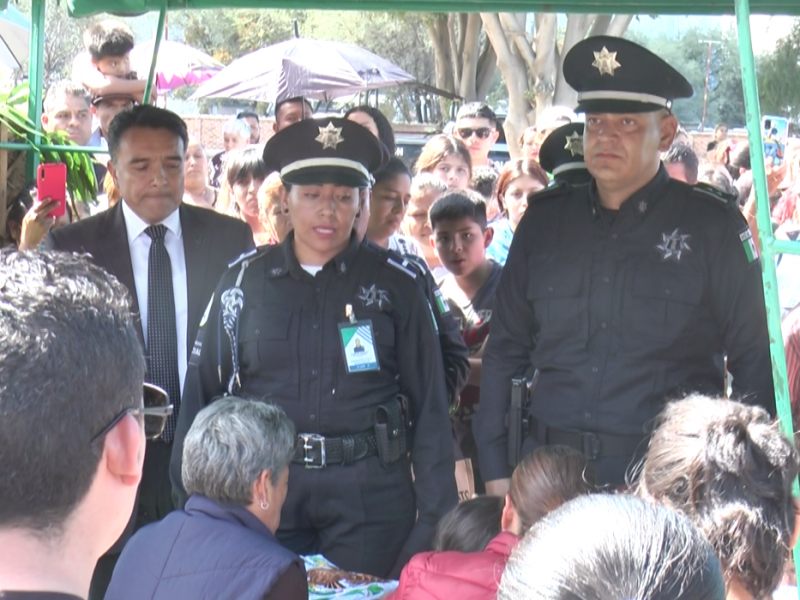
(139, 243)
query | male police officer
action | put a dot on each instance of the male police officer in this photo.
(621, 292)
(561, 155)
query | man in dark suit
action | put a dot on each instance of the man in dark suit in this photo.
(170, 256)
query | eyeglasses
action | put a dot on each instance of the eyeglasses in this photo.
(155, 410)
(467, 132)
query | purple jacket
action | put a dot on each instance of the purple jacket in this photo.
(204, 551)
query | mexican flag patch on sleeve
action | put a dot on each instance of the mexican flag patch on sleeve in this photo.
(749, 245)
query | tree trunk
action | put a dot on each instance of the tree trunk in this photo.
(577, 27)
(487, 67)
(515, 74)
(619, 25)
(546, 65)
(470, 55)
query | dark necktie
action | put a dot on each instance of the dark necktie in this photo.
(162, 332)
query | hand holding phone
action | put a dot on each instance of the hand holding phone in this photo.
(51, 182)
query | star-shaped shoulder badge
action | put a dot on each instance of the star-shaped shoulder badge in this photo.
(674, 245)
(574, 144)
(330, 136)
(606, 62)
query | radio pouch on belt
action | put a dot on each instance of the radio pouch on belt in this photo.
(390, 432)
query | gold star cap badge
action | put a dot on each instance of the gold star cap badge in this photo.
(574, 144)
(330, 136)
(606, 62)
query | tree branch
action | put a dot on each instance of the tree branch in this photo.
(487, 67)
(619, 25)
(600, 25)
(455, 57)
(470, 55)
(518, 39)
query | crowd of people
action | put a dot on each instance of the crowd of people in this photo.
(544, 379)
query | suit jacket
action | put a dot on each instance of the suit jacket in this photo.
(210, 242)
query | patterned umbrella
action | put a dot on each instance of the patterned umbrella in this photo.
(303, 67)
(177, 64)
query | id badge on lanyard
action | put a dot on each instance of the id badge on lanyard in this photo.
(358, 344)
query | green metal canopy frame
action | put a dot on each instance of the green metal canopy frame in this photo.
(769, 246)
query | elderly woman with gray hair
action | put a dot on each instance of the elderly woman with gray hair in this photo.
(222, 545)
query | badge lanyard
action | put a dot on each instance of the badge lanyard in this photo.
(358, 343)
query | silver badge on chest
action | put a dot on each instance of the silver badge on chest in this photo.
(674, 245)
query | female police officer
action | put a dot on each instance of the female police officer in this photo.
(340, 335)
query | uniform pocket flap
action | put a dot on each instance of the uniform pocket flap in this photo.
(269, 324)
(556, 283)
(686, 287)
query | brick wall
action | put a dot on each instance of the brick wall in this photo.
(208, 129)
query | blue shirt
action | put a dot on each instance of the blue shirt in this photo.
(501, 242)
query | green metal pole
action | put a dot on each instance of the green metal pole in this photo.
(35, 79)
(765, 234)
(162, 15)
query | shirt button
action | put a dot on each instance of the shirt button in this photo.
(595, 369)
(606, 280)
(603, 324)
(668, 291)
(314, 372)
(315, 325)
(258, 331)
(312, 417)
(549, 288)
(614, 236)
(587, 416)
(318, 289)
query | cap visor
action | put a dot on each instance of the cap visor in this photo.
(323, 175)
(616, 106)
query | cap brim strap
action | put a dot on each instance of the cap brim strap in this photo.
(341, 163)
(571, 166)
(625, 97)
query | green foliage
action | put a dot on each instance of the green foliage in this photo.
(689, 54)
(81, 184)
(779, 77)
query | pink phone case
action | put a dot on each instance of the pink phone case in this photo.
(51, 182)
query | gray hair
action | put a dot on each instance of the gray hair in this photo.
(62, 89)
(237, 126)
(427, 181)
(230, 443)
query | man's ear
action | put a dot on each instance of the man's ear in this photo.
(507, 516)
(45, 120)
(93, 110)
(275, 127)
(668, 127)
(123, 451)
(488, 236)
(495, 135)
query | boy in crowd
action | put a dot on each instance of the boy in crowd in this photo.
(105, 67)
(426, 188)
(484, 181)
(460, 237)
(476, 126)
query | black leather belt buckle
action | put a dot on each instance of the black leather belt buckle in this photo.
(314, 452)
(590, 445)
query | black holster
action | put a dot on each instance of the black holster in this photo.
(518, 419)
(390, 430)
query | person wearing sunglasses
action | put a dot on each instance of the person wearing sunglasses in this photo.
(235, 467)
(476, 126)
(73, 420)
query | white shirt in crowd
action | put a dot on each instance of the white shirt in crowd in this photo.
(139, 243)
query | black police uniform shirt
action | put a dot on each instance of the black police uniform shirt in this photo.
(291, 354)
(454, 353)
(622, 314)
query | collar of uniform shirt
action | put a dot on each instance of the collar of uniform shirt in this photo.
(136, 227)
(648, 194)
(342, 260)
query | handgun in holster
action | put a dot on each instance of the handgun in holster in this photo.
(518, 416)
(392, 421)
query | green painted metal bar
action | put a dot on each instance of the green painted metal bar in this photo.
(162, 16)
(766, 237)
(57, 148)
(786, 247)
(36, 79)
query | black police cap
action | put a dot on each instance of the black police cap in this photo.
(561, 154)
(615, 75)
(319, 151)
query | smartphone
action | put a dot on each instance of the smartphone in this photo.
(51, 182)
(775, 133)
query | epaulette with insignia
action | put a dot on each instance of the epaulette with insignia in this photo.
(401, 264)
(260, 251)
(417, 262)
(713, 193)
